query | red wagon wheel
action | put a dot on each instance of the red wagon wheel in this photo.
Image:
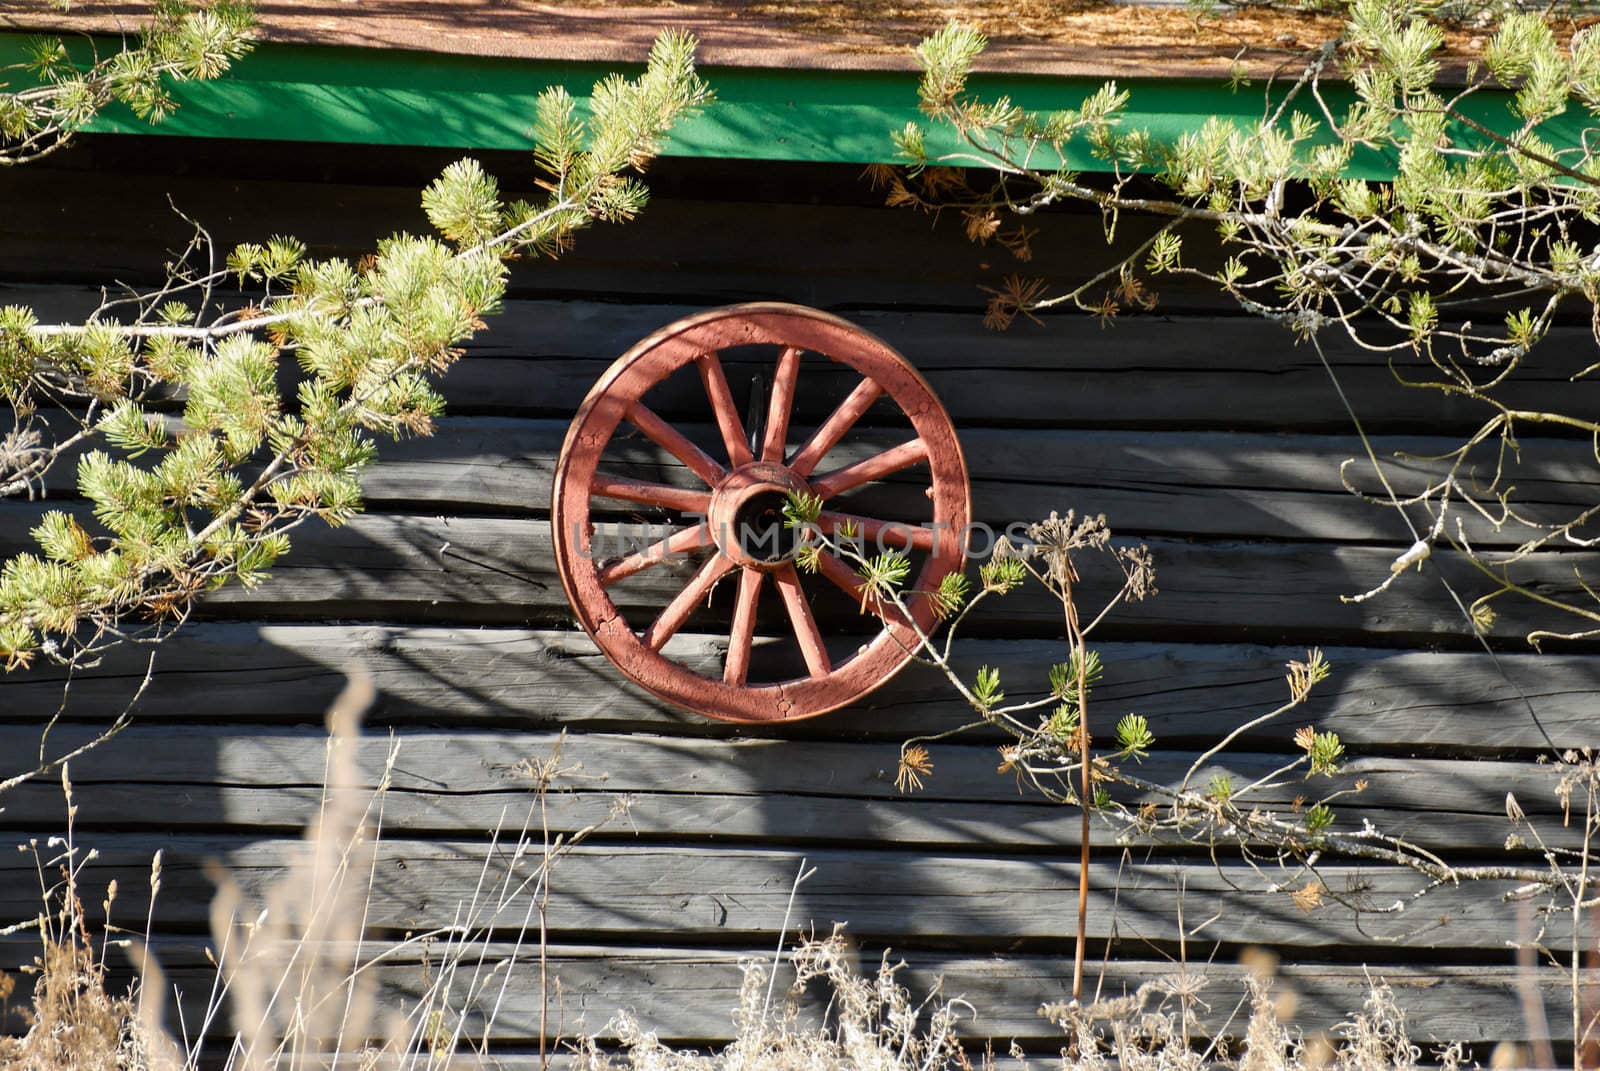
(748, 489)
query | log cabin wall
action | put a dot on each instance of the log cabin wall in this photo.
(1205, 433)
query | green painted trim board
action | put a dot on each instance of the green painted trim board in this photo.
(346, 95)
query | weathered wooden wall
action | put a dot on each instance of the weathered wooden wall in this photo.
(1207, 434)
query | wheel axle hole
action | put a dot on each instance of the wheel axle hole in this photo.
(758, 526)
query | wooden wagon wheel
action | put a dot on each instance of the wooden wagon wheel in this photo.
(746, 492)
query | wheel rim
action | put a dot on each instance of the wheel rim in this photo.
(748, 483)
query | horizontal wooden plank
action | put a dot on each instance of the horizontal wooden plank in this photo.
(451, 783)
(541, 357)
(1441, 703)
(692, 244)
(499, 571)
(491, 762)
(1155, 371)
(705, 893)
(1182, 485)
(680, 249)
(1185, 485)
(689, 995)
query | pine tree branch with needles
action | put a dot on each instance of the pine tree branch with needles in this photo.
(200, 467)
(1479, 214)
(68, 85)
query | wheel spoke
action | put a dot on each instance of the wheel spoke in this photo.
(742, 636)
(679, 542)
(716, 384)
(678, 610)
(872, 530)
(805, 626)
(873, 468)
(676, 443)
(829, 565)
(681, 499)
(782, 405)
(833, 429)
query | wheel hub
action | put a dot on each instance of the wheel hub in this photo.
(747, 519)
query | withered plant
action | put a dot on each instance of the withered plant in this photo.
(1052, 747)
(296, 970)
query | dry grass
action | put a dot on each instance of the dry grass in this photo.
(297, 973)
(294, 967)
(74, 1022)
(873, 1023)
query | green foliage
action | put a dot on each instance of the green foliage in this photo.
(1064, 676)
(1062, 726)
(1165, 254)
(182, 41)
(986, 688)
(19, 355)
(1134, 738)
(801, 508)
(947, 59)
(1485, 206)
(1324, 750)
(1319, 817)
(186, 505)
(463, 204)
(952, 593)
(132, 430)
(1002, 575)
(882, 575)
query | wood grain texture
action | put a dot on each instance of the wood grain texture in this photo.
(687, 995)
(631, 892)
(541, 357)
(687, 248)
(499, 571)
(796, 792)
(1382, 701)
(682, 249)
(1214, 485)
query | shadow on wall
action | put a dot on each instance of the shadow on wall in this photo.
(465, 629)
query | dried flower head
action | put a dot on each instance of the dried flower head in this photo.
(1309, 896)
(1139, 571)
(981, 224)
(21, 450)
(915, 764)
(1054, 539)
(1303, 676)
(1016, 295)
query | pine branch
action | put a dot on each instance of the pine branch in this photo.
(1472, 214)
(216, 502)
(182, 41)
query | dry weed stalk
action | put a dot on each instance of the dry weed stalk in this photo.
(873, 1023)
(300, 972)
(297, 970)
(73, 1023)
(1051, 752)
